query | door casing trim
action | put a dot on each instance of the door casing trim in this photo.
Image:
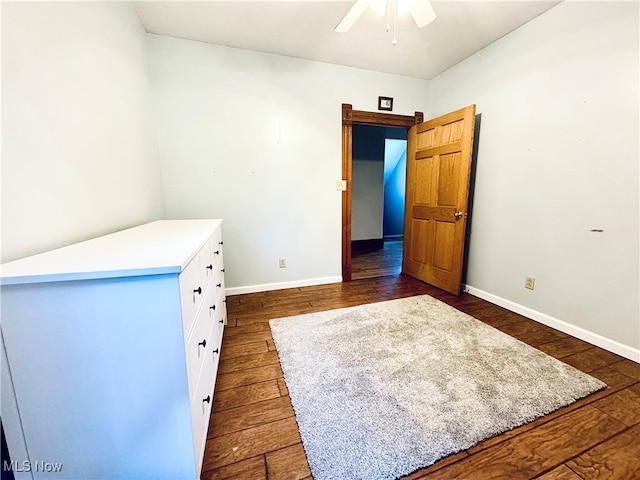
(360, 117)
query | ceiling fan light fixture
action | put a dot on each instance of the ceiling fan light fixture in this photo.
(421, 11)
(405, 5)
(378, 6)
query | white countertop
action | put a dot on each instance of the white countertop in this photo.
(161, 247)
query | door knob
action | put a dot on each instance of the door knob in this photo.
(458, 215)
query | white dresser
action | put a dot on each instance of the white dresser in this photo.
(110, 353)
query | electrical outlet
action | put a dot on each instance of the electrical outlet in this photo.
(283, 263)
(530, 283)
(341, 185)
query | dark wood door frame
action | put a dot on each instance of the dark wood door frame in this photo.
(360, 117)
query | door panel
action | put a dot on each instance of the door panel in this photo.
(438, 171)
(444, 236)
(448, 179)
(420, 236)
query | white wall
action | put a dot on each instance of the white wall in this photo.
(367, 200)
(255, 139)
(79, 154)
(558, 156)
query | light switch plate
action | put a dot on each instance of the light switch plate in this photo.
(341, 185)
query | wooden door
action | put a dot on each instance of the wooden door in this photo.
(438, 172)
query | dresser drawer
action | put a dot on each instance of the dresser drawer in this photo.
(215, 246)
(208, 261)
(201, 405)
(221, 312)
(191, 291)
(200, 343)
(194, 281)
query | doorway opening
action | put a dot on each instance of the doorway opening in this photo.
(379, 179)
(350, 118)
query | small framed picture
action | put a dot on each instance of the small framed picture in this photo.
(385, 103)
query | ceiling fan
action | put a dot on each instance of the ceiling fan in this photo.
(421, 11)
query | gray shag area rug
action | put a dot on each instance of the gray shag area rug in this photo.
(381, 390)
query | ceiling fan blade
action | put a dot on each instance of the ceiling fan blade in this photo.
(423, 13)
(352, 15)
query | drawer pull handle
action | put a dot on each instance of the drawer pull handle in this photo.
(203, 343)
(222, 270)
(215, 351)
(221, 321)
(210, 267)
(218, 285)
(220, 243)
(208, 399)
(217, 252)
(198, 290)
(212, 307)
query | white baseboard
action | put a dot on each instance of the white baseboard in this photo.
(265, 287)
(578, 332)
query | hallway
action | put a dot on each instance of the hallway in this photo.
(369, 263)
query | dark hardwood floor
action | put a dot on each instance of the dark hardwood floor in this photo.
(253, 433)
(377, 263)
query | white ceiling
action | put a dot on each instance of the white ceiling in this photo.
(304, 29)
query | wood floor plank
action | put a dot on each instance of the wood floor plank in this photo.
(235, 299)
(238, 446)
(333, 303)
(255, 337)
(249, 318)
(628, 368)
(290, 463)
(560, 473)
(539, 336)
(283, 387)
(564, 347)
(252, 468)
(339, 288)
(520, 327)
(618, 458)
(229, 365)
(443, 462)
(251, 415)
(300, 299)
(379, 297)
(499, 319)
(250, 328)
(525, 456)
(254, 393)
(591, 359)
(243, 309)
(275, 312)
(614, 379)
(487, 310)
(465, 301)
(234, 351)
(247, 377)
(624, 406)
